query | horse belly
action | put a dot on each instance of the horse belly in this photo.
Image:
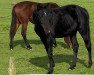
(60, 33)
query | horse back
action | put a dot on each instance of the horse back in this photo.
(24, 9)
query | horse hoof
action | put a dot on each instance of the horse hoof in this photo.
(69, 69)
(49, 72)
(11, 49)
(89, 66)
(31, 49)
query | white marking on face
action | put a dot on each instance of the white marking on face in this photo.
(45, 13)
(49, 31)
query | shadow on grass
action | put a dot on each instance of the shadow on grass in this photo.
(36, 42)
(43, 61)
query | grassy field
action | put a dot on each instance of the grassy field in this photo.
(36, 61)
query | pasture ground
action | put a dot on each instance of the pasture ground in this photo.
(36, 61)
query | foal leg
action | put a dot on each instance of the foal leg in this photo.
(23, 32)
(13, 29)
(75, 52)
(86, 38)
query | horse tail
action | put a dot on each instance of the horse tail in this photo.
(83, 24)
(82, 12)
(86, 17)
(13, 21)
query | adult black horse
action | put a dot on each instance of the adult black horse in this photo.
(22, 14)
(62, 22)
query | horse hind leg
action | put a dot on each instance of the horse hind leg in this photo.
(68, 41)
(23, 32)
(75, 51)
(13, 29)
(86, 38)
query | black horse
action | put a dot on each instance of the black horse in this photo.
(62, 22)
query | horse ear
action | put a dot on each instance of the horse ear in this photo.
(41, 6)
(46, 5)
(52, 5)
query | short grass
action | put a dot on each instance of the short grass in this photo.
(36, 61)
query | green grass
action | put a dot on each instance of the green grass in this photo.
(36, 61)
